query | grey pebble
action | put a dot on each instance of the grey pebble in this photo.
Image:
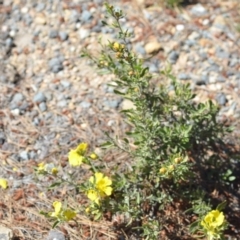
(28, 19)
(24, 106)
(39, 97)
(55, 64)
(53, 33)
(54, 61)
(18, 98)
(153, 68)
(24, 155)
(43, 106)
(3, 78)
(63, 36)
(86, 16)
(220, 53)
(40, 7)
(9, 42)
(2, 138)
(62, 103)
(112, 103)
(57, 68)
(32, 154)
(55, 235)
(183, 76)
(173, 56)
(85, 104)
(198, 10)
(220, 78)
(65, 84)
(140, 49)
(74, 16)
(221, 99)
(233, 62)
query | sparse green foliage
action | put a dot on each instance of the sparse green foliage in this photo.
(167, 146)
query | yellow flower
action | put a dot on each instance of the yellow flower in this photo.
(76, 156)
(3, 183)
(93, 196)
(212, 223)
(75, 159)
(93, 156)
(69, 214)
(171, 168)
(54, 171)
(116, 46)
(102, 184)
(163, 170)
(82, 148)
(57, 207)
(177, 160)
(41, 168)
(213, 219)
(87, 210)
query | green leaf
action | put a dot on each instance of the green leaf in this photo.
(143, 72)
(55, 224)
(118, 92)
(221, 206)
(55, 185)
(231, 178)
(104, 23)
(107, 144)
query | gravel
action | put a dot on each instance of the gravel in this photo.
(46, 88)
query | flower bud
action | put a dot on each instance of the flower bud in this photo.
(162, 170)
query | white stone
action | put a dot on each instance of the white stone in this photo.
(180, 27)
(205, 22)
(152, 47)
(24, 10)
(6, 233)
(84, 33)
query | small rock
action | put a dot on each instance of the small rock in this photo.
(55, 64)
(63, 36)
(15, 112)
(153, 47)
(198, 10)
(55, 235)
(40, 7)
(183, 76)
(194, 36)
(62, 103)
(43, 106)
(84, 33)
(139, 49)
(18, 98)
(127, 104)
(24, 155)
(2, 138)
(111, 103)
(41, 19)
(85, 104)
(57, 68)
(173, 57)
(221, 99)
(86, 16)
(5, 233)
(65, 84)
(39, 97)
(53, 33)
(220, 53)
(9, 42)
(180, 27)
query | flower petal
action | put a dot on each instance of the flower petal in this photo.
(3, 183)
(74, 158)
